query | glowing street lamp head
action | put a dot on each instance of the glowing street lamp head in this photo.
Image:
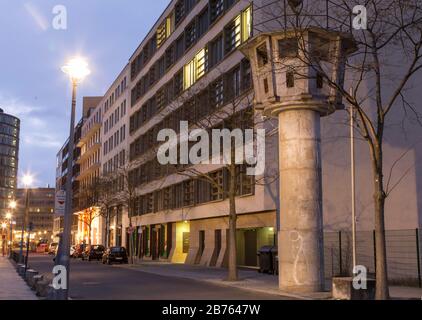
(4, 225)
(8, 216)
(27, 180)
(76, 69)
(13, 204)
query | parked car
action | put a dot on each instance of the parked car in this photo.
(115, 254)
(94, 252)
(52, 248)
(42, 248)
(78, 251)
(72, 250)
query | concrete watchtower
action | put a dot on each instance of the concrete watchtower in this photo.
(295, 73)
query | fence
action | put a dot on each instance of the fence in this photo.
(404, 250)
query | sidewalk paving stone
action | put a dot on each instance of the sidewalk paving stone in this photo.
(12, 286)
(248, 280)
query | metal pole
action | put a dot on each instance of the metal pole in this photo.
(340, 253)
(418, 256)
(374, 236)
(11, 236)
(27, 249)
(63, 258)
(353, 186)
(25, 221)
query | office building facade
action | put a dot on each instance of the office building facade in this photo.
(9, 156)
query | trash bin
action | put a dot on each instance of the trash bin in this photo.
(265, 260)
(274, 255)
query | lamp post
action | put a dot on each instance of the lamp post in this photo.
(12, 205)
(9, 217)
(27, 181)
(3, 227)
(77, 70)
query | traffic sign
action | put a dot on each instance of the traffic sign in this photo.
(60, 203)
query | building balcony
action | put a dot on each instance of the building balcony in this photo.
(95, 147)
(84, 173)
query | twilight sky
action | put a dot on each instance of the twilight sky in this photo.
(33, 88)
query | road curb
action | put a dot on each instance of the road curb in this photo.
(229, 284)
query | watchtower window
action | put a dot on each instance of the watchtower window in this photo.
(288, 48)
(290, 79)
(262, 55)
(319, 80)
(320, 48)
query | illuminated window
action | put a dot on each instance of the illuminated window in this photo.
(189, 75)
(201, 63)
(246, 24)
(161, 33)
(196, 68)
(169, 25)
(232, 34)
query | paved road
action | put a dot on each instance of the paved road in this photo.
(95, 281)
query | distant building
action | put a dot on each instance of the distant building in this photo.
(9, 152)
(89, 162)
(62, 170)
(41, 212)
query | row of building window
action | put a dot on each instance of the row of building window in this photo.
(113, 142)
(8, 151)
(164, 30)
(92, 120)
(153, 170)
(92, 141)
(236, 32)
(215, 95)
(118, 161)
(8, 172)
(194, 192)
(115, 95)
(10, 120)
(8, 161)
(189, 37)
(9, 130)
(114, 118)
(92, 160)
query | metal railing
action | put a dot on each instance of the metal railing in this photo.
(404, 249)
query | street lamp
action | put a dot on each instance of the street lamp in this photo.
(77, 70)
(9, 217)
(27, 181)
(3, 227)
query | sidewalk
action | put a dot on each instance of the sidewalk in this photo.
(250, 280)
(12, 287)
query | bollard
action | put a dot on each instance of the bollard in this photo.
(35, 279)
(30, 273)
(18, 267)
(22, 270)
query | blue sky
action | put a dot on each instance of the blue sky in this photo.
(32, 86)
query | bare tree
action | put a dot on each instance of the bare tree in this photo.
(388, 55)
(225, 105)
(107, 186)
(126, 193)
(88, 197)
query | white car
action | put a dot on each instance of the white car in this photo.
(72, 251)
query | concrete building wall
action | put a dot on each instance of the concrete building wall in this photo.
(115, 104)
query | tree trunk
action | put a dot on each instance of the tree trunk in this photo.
(107, 235)
(131, 244)
(232, 276)
(382, 291)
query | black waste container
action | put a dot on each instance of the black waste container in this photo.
(265, 260)
(274, 255)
